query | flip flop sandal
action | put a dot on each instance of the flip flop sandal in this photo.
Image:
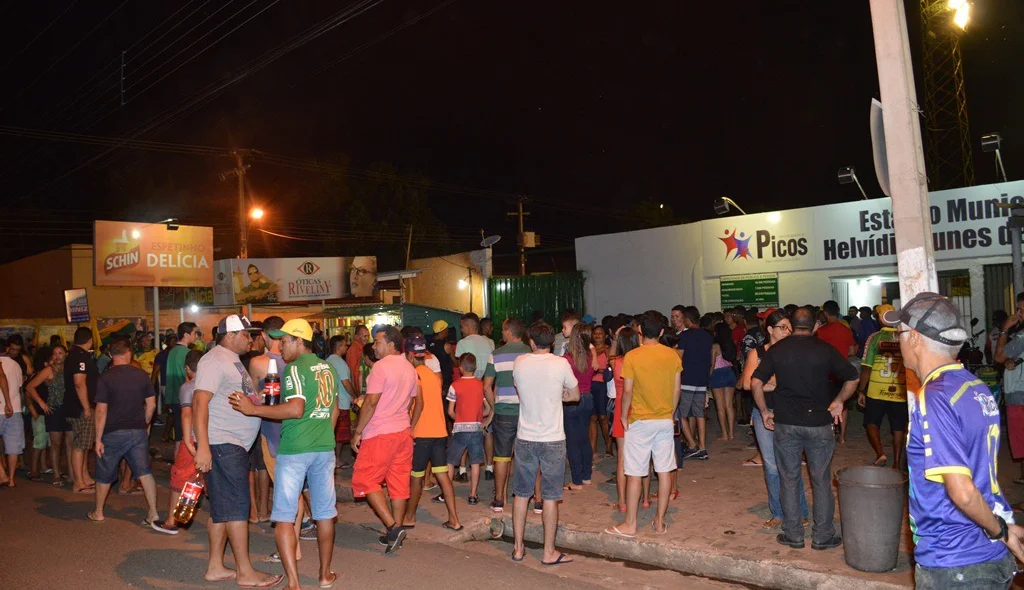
(35, 478)
(270, 582)
(94, 519)
(752, 463)
(657, 532)
(450, 527)
(520, 558)
(331, 584)
(561, 560)
(614, 531)
(58, 483)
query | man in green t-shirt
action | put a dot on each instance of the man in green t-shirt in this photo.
(500, 389)
(308, 412)
(187, 334)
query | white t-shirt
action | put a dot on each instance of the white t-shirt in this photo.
(481, 347)
(540, 379)
(14, 379)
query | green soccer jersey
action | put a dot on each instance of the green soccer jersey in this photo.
(175, 373)
(315, 381)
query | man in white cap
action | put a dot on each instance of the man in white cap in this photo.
(223, 439)
(308, 412)
(961, 522)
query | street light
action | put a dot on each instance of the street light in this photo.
(848, 175)
(722, 206)
(991, 143)
(961, 13)
(256, 213)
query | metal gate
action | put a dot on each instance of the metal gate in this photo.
(956, 285)
(998, 289)
(841, 294)
(521, 296)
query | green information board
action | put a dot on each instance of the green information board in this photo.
(760, 291)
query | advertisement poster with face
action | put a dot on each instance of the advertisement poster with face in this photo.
(289, 280)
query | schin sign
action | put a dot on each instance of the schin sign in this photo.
(966, 223)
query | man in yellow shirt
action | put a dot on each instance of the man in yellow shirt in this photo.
(883, 390)
(651, 374)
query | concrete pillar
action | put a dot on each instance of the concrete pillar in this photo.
(907, 179)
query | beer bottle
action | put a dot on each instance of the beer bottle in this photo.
(188, 499)
(272, 385)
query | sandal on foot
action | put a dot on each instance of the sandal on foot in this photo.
(520, 558)
(882, 461)
(561, 559)
(452, 528)
(614, 531)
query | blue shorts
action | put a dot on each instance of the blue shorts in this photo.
(130, 445)
(227, 483)
(722, 378)
(289, 474)
(462, 441)
(546, 457)
(12, 430)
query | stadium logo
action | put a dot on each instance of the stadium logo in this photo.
(738, 243)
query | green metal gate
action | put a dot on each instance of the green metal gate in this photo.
(520, 296)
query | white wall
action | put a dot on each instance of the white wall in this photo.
(632, 272)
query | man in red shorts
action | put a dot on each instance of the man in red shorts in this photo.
(383, 436)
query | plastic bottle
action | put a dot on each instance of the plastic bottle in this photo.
(188, 499)
(272, 385)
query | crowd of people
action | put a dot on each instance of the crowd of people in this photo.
(274, 403)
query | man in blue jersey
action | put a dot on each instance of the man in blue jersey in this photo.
(962, 524)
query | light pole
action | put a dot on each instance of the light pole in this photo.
(991, 143)
(848, 175)
(722, 205)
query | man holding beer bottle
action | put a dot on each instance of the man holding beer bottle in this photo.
(308, 410)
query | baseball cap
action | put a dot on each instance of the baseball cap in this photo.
(417, 345)
(298, 328)
(932, 315)
(235, 323)
(885, 308)
(439, 326)
(763, 315)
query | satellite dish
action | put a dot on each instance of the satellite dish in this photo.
(490, 241)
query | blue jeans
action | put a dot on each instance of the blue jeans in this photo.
(289, 474)
(991, 575)
(547, 458)
(130, 445)
(791, 443)
(766, 442)
(576, 418)
(227, 483)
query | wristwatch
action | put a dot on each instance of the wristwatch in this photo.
(1004, 532)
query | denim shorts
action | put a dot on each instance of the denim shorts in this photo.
(460, 442)
(130, 445)
(722, 378)
(546, 457)
(227, 483)
(289, 474)
(505, 429)
(990, 575)
(12, 430)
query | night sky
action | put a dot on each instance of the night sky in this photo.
(589, 108)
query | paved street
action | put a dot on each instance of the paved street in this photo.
(47, 543)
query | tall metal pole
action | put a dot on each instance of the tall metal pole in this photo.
(243, 217)
(1014, 224)
(156, 333)
(907, 178)
(522, 245)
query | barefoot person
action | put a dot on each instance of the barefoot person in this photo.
(223, 437)
(125, 404)
(544, 381)
(651, 375)
(306, 452)
(383, 436)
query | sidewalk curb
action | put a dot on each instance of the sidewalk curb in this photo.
(767, 574)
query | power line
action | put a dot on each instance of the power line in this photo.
(38, 35)
(165, 21)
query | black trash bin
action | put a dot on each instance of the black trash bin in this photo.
(871, 502)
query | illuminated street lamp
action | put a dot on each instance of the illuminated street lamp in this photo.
(961, 13)
(256, 213)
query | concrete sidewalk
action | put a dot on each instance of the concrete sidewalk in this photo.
(715, 526)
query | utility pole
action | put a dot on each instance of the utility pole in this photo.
(522, 242)
(243, 217)
(907, 178)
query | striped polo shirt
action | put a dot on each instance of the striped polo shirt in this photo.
(499, 367)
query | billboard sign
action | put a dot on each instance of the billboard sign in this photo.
(966, 223)
(287, 280)
(76, 304)
(760, 291)
(130, 254)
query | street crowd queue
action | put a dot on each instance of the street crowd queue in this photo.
(421, 412)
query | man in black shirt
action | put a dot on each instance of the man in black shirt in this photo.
(436, 346)
(80, 376)
(802, 420)
(125, 403)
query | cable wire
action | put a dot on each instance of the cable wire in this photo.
(38, 35)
